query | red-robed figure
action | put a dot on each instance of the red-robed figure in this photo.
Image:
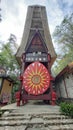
(17, 96)
(54, 97)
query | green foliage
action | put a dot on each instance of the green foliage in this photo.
(15, 88)
(64, 33)
(63, 36)
(67, 109)
(9, 62)
(0, 112)
(8, 59)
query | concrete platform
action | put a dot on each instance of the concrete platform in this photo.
(32, 107)
(35, 115)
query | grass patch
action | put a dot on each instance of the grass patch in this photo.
(66, 109)
(1, 112)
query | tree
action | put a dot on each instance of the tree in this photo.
(9, 62)
(8, 59)
(63, 36)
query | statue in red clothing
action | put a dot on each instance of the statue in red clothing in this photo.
(17, 96)
(54, 97)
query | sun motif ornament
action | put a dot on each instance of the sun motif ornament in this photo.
(36, 79)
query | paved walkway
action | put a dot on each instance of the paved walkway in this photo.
(32, 107)
(34, 116)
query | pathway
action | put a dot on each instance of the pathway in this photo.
(34, 116)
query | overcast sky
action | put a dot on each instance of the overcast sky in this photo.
(14, 15)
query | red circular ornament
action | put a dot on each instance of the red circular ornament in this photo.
(36, 79)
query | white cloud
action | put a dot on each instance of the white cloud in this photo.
(35, 2)
(54, 13)
(69, 2)
(14, 15)
(13, 22)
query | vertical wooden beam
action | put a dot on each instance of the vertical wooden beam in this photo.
(59, 91)
(1, 85)
(65, 86)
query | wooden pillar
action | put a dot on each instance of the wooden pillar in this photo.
(65, 86)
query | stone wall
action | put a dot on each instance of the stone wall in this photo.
(64, 86)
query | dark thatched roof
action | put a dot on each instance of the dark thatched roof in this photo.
(36, 19)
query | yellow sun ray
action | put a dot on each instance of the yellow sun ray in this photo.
(30, 73)
(36, 70)
(39, 72)
(42, 73)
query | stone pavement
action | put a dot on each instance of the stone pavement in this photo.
(34, 116)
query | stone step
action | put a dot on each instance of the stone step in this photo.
(35, 121)
(50, 116)
(58, 122)
(24, 127)
(39, 121)
(38, 114)
(61, 127)
(45, 117)
(13, 128)
(15, 118)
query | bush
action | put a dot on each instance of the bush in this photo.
(67, 109)
(1, 112)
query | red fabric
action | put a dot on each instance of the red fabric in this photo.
(21, 77)
(17, 95)
(54, 95)
(18, 103)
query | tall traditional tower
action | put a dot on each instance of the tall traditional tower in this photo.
(36, 55)
(36, 22)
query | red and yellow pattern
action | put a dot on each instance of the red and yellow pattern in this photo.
(36, 79)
